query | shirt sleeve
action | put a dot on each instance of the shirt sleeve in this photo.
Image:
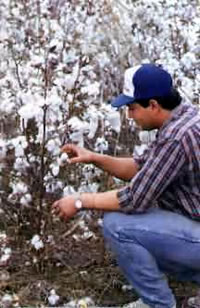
(162, 166)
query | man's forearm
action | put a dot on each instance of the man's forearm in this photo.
(101, 201)
(122, 168)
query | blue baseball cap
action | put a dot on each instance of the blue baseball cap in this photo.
(144, 82)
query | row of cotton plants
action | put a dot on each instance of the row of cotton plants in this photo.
(53, 90)
(60, 65)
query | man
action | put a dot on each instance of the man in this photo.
(153, 223)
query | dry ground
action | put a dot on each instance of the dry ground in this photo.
(74, 269)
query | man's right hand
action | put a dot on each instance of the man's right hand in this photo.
(77, 154)
(122, 168)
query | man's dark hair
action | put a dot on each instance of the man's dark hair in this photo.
(167, 102)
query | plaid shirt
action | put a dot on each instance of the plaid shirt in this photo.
(169, 170)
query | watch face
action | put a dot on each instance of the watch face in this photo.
(78, 204)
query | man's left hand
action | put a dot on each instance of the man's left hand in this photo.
(65, 207)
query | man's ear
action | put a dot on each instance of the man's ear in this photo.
(154, 105)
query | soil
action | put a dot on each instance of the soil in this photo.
(75, 269)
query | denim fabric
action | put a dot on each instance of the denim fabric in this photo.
(153, 243)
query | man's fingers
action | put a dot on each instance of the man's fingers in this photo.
(63, 216)
(55, 204)
(69, 148)
(55, 208)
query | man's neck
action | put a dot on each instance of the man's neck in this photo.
(164, 117)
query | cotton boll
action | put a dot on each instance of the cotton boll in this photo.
(54, 186)
(55, 168)
(87, 235)
(93, 125)
(37, 60)
(41, 102)
(19, 188)
(71, 55)
(101, 145)
(78, 128)
(63, 159)
(188, 60)
(4, 276)
(26, 199)
(186, 86)
(113, 118)
(6, 253)
(6, 301)
(20, 163)
(77, 137)
(30, 111)
(56, 43)
(53, 298)
(147, 137)
(100, 222)
(3, 236)
(92, 187)
(103, 59)
(91, 89)
(68, 190)
(85, 302)
(69, 82)
(144, 137)
(19, 151)
(127, 287)
(54, 100)
(139, 149)
(21, 140)
(53, 146)
(7, 106)
(37, 242)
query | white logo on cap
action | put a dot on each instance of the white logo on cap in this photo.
(128, 89)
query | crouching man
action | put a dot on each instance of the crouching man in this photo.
(153, 223)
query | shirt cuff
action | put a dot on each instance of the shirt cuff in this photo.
(125, 198)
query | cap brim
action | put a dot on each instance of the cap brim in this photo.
(122, 100)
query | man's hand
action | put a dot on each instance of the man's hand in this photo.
(65, 207)
(77, 154)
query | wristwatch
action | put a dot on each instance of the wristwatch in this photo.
(78, 203)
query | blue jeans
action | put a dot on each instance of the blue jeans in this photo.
(153, 243)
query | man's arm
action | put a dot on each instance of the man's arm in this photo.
(106, 201)
(122, 168)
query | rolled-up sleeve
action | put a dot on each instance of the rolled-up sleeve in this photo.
(156, 173)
